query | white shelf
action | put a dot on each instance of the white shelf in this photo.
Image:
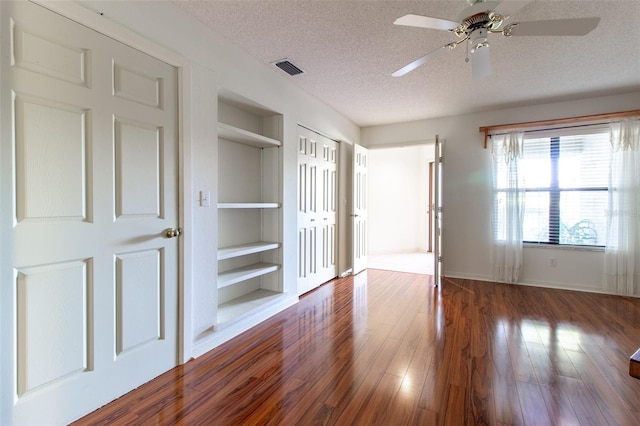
(240, 306)
(235, 134)
(235, 276)
(245, 249)
(248, 205)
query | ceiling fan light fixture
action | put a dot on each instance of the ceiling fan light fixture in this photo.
(478, 39)
(483, 17)
(506, 31)
(479, 46)
(496, 21)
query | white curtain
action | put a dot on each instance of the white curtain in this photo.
(508, 207)
(622, 251)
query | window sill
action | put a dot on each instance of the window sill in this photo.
(563, 247)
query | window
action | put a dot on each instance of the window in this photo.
(564, 174)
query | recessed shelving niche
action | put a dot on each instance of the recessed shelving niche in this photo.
(249, 208)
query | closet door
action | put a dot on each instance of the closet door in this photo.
(326, 214)
(317, 186)
(307, 207)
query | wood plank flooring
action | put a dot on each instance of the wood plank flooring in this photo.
(387, 348)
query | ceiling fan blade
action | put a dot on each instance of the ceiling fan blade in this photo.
(481, 63)
(420, 61)
(509, 7)
(556, 27)
(426, 22)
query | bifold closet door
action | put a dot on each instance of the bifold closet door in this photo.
(317, 197)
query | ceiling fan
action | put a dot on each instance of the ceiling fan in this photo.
(481, 18)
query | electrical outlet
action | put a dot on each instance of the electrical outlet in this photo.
(553, 262)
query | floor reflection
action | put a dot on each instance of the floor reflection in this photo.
(360, 299)
(388, 348)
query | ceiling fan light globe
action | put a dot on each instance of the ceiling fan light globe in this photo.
(478, 46)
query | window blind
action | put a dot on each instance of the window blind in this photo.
(564, 173)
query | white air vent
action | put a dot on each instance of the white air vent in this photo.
(288, 67)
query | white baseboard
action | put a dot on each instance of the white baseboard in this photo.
(534, 283)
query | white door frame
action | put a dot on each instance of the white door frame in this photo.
(103, 25)
(437, 202)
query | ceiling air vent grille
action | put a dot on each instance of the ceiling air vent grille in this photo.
(288, 67)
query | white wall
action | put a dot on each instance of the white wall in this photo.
(398, 199)
(467, 191)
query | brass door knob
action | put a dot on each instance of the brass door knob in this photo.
(173, 232)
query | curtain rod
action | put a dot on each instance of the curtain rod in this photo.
(570, 120)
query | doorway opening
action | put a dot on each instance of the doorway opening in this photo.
(401, 220)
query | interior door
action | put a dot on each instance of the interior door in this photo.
(94, 189)
(359, 208)
(437, 210)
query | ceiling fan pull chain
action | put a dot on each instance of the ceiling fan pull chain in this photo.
(466, 59)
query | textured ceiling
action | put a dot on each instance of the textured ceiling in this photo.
(348, 50)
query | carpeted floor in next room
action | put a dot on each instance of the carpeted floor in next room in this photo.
(417, 263)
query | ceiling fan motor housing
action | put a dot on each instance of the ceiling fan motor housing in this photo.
(479, 20)
(479, 15)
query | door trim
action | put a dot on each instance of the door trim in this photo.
(431, 207)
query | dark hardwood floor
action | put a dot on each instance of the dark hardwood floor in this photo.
(388, 348)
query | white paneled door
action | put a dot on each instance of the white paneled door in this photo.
(317, 197)
(359, 208)
(94, 189)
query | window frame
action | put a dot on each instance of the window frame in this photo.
(554, 190)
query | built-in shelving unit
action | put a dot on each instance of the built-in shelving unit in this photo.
(236, 308)
(249, 208)
(245, 249)
(248, 205)
(244, 273)
(235, 134)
